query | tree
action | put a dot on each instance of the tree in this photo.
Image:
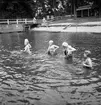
(16, 8)
(30, 8)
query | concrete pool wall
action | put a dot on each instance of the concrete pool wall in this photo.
(94, 27)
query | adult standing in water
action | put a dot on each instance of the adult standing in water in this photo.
(52, 48)
(68, 51)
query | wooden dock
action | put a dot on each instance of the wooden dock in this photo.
(17, 25)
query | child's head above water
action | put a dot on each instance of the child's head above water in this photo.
(87, 53)
(26, 42)
(65, 44)
(50, 42)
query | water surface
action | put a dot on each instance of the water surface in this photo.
(39, 79)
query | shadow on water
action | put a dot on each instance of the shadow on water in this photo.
(39, 79)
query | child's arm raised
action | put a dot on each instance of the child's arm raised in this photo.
(71, 48)
(56, 47)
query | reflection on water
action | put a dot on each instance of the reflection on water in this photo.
(39, 79)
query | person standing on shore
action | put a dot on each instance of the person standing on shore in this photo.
(68, 51)
(52, 48)
(27, 46)
(34, 20)
(44, 22)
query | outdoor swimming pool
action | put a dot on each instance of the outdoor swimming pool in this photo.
(38, 79)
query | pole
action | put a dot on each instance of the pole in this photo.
(8, 21)
(53, 9)
(25, 21)
(17, 21)
(71, 7)
(74, 9)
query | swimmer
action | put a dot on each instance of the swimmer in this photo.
(27, 46)
(87, 63)
(68, 50)
(52, 48)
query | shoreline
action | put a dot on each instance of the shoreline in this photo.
(93, 27)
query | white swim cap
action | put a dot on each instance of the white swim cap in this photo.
(65, 44)
(26, 42)
(50, 42)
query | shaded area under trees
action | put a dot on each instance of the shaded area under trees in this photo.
(41, 8)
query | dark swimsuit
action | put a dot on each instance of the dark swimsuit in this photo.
(49, 53)
(68, 56)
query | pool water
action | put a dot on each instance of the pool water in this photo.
(39, 79)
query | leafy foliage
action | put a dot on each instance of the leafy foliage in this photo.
(39, 8)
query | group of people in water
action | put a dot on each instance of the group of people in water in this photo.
(67, 51)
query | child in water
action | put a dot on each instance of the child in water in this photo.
(87, 63)
(27, 46)
(52, 48)
(68, 51)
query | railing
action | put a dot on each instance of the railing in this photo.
(30, 21)
(20, 21)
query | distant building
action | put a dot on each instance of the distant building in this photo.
(86, 8)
